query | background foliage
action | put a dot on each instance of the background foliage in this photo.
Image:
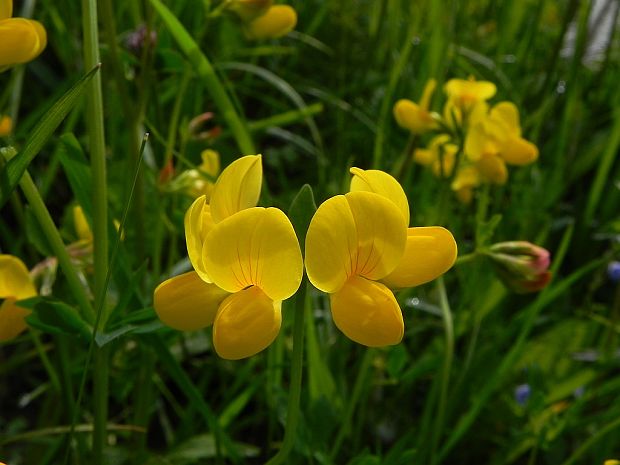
(317, 102)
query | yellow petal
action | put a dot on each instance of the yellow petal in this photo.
(430, 252)
(367, 313)
(12, 319)
(6, 9)
(383, 184)
(186, 302)
(518, 151)
(508, 114)
(246, 323)
(278, 21)
(198, 223)
(469, 91)
(21, 41)
(210, 163)
(255, 247)
(6, 125)
(424, 156)
(477, 142)
(493, 169)
(14, 279)
(427, 93)
(409, 115)
(82, 228)
(237, 188)
(360, 233)
(466, 177)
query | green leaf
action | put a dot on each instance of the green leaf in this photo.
(77, 170)
(35, 234)
(53, 316)
(16, 167)
(301, 212)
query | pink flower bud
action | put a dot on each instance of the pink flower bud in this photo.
(522, 266)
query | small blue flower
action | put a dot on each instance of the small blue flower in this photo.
(613, 271)
(522, 394)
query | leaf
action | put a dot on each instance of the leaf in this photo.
(77, 170)
(53, 316)
(35, 234)
(301, 212)
(16, 167)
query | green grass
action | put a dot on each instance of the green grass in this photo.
(314, 103)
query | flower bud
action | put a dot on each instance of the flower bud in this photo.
(6, 125)
(276, 22)
(613, 271)
(522, 266)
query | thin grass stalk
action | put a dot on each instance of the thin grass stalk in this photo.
(293, 413)
(95, 127)
(446, 316)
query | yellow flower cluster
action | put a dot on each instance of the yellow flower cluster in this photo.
(247, 260)
(22, 39)
(474, 141)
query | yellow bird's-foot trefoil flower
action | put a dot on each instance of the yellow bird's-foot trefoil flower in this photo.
(466, 99)
(15, 284)
(416, 117)
(22, 39)
(276, 22)
(246, 259)
(494, 140)
(359, 247)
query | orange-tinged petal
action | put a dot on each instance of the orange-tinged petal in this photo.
(255, 247)
(360, 233)
(381, 183)
(6, 9)
(278, 21)
(468, 91)
(14, 279)
(12, 319)
(430, 252)
(21, 41)
(198, 223)
(246, 323)
(237, 188)
(186, 302)
(6, 125)
(518, 151)
(367, 313)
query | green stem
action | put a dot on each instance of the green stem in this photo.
(100, 393)
(96, 135)
(58, 247)
(446, 315)
(208, 76)
(292, 415)
(45, 360)
(360, 383)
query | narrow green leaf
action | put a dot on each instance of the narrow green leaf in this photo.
(78, 172)
(16, 167)
(56, 317)
(301, 212)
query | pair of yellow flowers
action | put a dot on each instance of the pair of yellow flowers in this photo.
(21, 40)
(247, 260)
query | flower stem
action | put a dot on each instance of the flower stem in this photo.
(446, 315)
(292, 414)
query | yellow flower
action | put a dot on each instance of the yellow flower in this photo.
(246, 260)
(465, 93)
(416, 117)
(196, 179)
(440, 155)
(276, 22)
(466, 180)
(15, 284)
(611, 462)
(358, 246)
(6, 125)
(80, 223)
(495, 139)
(22, 39)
